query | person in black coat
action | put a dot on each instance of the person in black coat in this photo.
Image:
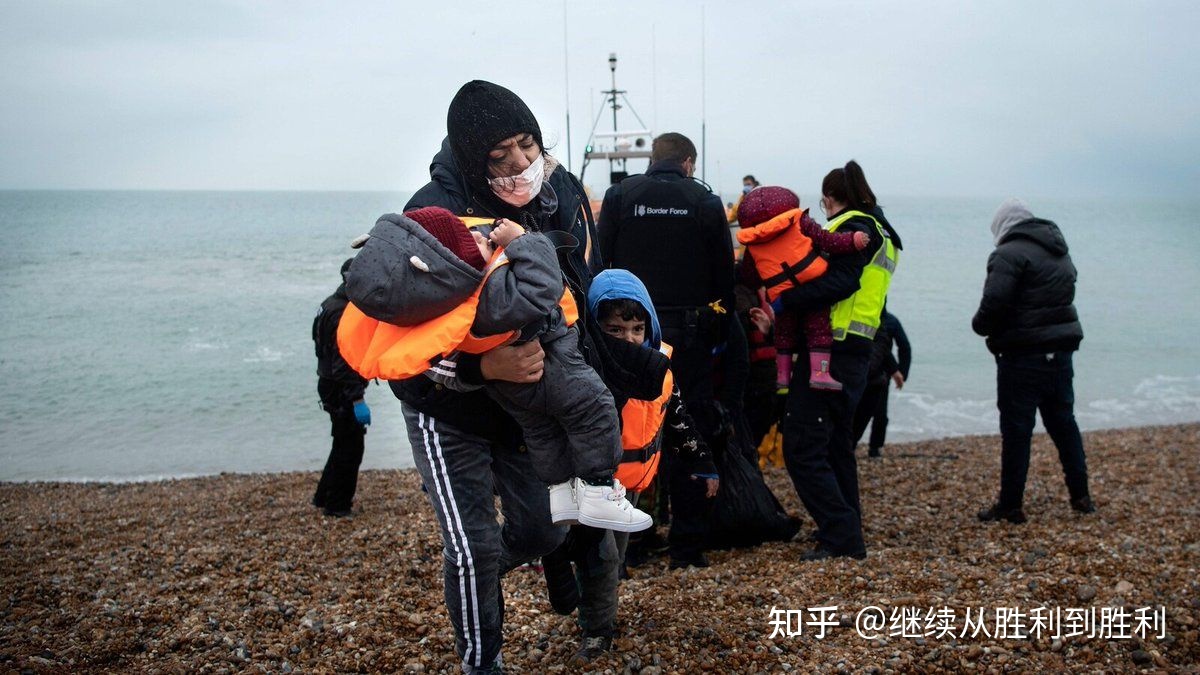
(669, 230)
(1028, 316)
(884, 369)
(341, 391)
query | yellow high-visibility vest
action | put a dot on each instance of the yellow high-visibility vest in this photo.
(859, 313)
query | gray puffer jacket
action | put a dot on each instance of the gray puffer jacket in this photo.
(405, 276)
(1028, 298)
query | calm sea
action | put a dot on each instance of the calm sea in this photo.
(154, 334)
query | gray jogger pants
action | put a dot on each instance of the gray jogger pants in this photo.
(568, 417)
(462, 474)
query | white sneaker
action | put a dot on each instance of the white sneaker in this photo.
(564, 510)
(605, 507)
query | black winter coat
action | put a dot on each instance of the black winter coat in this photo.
(691, 265)
(338, 385)
(888, 339)
(1027, 305)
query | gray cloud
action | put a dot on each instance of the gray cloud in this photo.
(1078, 98)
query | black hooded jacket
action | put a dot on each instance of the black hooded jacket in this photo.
(562, 208)
(338, 385)
(1027, 304)
(888, 339)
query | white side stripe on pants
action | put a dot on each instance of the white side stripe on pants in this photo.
(458, 539)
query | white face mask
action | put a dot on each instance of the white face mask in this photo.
(519, 190)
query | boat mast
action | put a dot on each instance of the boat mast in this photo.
(617, 146)
(566, 85)
(703, 100)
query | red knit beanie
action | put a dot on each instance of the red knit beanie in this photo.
(451, 232)
(764, 203)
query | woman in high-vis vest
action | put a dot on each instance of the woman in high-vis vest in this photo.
(818, 441)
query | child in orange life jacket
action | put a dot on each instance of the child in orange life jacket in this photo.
(786, 248)
(624, 310)
(568, 417)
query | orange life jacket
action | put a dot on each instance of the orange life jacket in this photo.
(641, 435)
(783, 255)
(376, 349)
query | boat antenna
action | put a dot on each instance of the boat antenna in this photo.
(654, 73)
(612, 67)
(703, 100)
(566, 85)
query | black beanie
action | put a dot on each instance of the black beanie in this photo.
(481, 115)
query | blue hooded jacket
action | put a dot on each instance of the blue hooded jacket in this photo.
(623, 285)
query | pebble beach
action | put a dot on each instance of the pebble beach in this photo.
(238, 573)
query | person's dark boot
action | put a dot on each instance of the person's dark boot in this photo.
(790, 531)
(333, 512)
(592, 648)
(820, 552)
(995, 512)
(561, 586)
(1083, 504)
(635, 557)
(697, 560)
(653, 543)
(874, 452)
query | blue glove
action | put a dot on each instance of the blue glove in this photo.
(362, 413)
(777, 305)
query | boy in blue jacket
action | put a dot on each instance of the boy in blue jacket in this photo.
(622, 307)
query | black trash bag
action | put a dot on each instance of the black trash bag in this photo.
(746, 512)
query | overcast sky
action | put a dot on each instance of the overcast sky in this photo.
(932, 98)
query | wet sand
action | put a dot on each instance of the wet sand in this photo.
(238, 573)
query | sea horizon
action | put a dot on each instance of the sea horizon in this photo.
(168, 333)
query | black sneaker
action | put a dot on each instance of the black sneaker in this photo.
(561, 586)
(338, 513)
(1083, 505)
(873, 452)
(994, 512)
(593, 647)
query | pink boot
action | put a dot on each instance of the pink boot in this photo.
(783, 369)
(819, 377)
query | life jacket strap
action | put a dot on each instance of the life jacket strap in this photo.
(792, 272)
(640, 455)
